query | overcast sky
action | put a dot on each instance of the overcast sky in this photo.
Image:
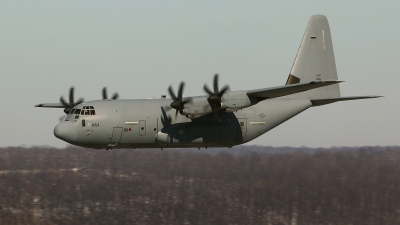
(139, 48)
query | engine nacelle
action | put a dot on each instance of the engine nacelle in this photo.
(236, 100)
(199, 106)
(231, 101)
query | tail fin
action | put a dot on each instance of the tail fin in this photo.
(315, 60)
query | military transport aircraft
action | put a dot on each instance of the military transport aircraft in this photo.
(222, 118)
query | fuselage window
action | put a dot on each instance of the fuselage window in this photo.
(83, 123)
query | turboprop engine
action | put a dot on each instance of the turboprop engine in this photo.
(230, 102)
(217, 100)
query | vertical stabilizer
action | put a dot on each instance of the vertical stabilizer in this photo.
(315, 60)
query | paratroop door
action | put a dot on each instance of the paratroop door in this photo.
(116, 136)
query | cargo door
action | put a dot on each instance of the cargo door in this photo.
(116, 135)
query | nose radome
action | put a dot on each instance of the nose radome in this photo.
(65, 131)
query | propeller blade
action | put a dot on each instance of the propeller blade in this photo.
(104, 93)
(180, 92)
(176, 113)
(171, 93)
(62, 100)
(216, 83)
(165, 119)
(105, 96)
(79, 101)
(224, 89)
(71, 95)
(207, 90)
(189, 99)
(115, 96)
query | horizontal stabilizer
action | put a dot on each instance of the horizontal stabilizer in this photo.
(280, 91)
(50, 105)
(318, 102)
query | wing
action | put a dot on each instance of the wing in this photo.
(280, 91)
(50, 105)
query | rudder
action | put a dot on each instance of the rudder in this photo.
(315, 60)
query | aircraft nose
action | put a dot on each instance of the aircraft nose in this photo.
(65, 131)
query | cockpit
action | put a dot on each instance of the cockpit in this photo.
(86, 110)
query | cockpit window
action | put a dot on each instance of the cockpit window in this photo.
(87, 110)
(72, 111)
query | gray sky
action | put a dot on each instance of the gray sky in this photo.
(139, 48)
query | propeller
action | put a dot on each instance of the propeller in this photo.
(104, 93)
(215, 97)
(69, 105)
(165, 119)
(178, 102)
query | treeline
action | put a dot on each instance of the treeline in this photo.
(242, 185)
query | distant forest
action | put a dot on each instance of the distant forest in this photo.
(240, 185)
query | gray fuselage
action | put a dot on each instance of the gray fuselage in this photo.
(145, 124)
